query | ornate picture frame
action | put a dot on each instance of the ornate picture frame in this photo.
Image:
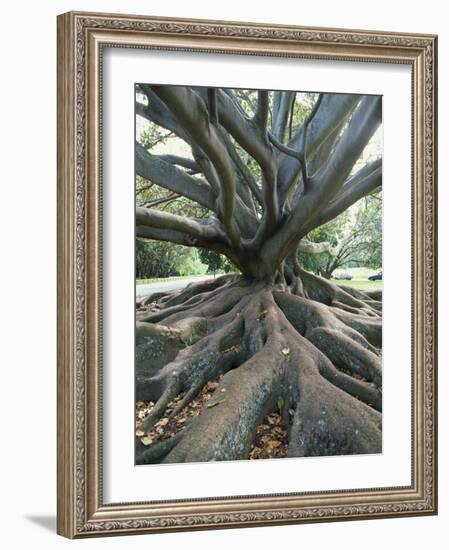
(82, 40)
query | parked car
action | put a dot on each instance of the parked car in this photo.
(342, 276)
(375, 277)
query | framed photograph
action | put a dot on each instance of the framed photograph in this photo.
(246, 274)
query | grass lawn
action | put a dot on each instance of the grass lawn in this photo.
(360, 272)
(360, 285)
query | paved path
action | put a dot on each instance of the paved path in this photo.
(145, 289)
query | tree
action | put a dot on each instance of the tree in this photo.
(267, 168)
(215, 262)
(159, 259)
(355, 239)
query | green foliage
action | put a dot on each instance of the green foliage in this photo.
(213, 260)
(192, 265)
(216, 262)
(154, 135)
(301, 110)
(369, 219)
(358, 234)
(153, 196)
(156, 259)
(229, 267)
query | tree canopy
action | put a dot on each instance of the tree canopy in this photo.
(262, 169)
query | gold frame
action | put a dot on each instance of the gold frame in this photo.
(81, 37)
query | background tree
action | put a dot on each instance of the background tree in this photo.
(216, 262)
(266, 169)
(155, 259)
(158, 259)
(356, 238)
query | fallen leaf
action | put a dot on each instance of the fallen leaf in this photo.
(286, 351)
(147, 440)
(274, 419)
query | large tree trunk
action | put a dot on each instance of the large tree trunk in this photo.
(294, 336)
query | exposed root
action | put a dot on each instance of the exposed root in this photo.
(191, 301)
(350, 299)
(345, 353)
(300, 341)
(178, 416)
(329, 422)
(225, 430)
(157, 451)
(170, 392)
(352, 383)
(375, 295)
(198, 289)
(150, 299)
(370, 329)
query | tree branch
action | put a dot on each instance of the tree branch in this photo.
(187, 163)
(158, 113)
(248, 185)
(190, 109)
(309, 247)
(298, 155)
(365, 181)
(364, 122)
(247, 133)
(304, 146)
(285, 148)
(334, 110)
(213, 110)
(162, 200)
(261, 114)
(206, 229)
(165, 174)
(282, 105)
(241, 128)
(178, 237)
(327, 181)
